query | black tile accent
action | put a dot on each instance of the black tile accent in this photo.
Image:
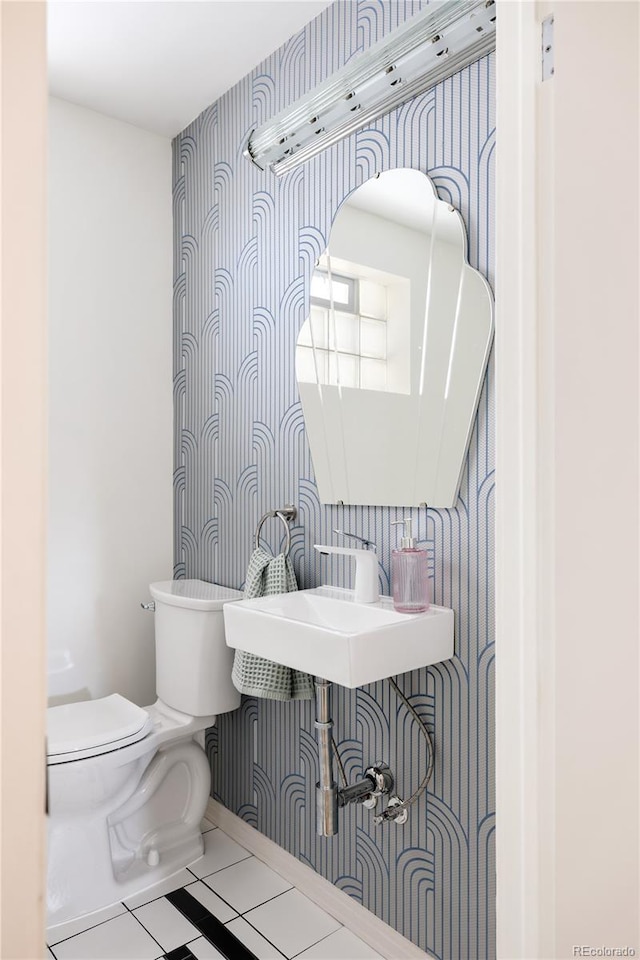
(180, 953)
(209, 926)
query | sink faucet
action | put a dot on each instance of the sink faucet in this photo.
(366, 585)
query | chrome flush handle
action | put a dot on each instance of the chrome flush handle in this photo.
(149, 606)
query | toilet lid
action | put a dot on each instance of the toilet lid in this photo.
(193, 594)
(91, 724)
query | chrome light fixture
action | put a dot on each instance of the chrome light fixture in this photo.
(447, 36)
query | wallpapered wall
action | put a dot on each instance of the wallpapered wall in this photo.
(245, 248)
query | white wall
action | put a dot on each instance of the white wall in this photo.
(110, 400)
(597, 476)
(568, 429)
(23, 79)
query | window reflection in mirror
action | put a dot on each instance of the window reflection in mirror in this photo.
(391, 358)
(357, 331)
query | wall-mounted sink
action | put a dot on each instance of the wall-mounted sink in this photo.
(326, 633)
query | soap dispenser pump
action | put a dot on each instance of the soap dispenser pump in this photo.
(409, 573)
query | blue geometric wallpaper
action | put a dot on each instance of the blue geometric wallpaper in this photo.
(245, 248)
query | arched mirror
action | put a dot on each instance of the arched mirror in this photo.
(391, 360)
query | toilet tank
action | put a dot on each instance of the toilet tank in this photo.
(193, 662)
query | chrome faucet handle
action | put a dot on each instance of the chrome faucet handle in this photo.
(354, 536)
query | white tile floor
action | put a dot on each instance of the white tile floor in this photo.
(260, 908)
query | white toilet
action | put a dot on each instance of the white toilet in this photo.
(128, 786)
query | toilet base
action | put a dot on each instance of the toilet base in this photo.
(129, 839)
(136, 885)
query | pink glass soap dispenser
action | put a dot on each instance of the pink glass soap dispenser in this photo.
(409, 573)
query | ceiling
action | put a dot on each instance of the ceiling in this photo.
(158, 63)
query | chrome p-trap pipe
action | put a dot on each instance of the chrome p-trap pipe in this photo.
(378, 779)
(326, 788)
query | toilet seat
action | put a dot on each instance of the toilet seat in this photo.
(92, 727)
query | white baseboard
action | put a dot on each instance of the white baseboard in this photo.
(379, 935)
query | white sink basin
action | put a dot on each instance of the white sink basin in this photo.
(325, 633)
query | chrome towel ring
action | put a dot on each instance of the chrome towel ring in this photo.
(285, 515)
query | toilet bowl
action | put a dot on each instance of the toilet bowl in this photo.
(128, 786)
